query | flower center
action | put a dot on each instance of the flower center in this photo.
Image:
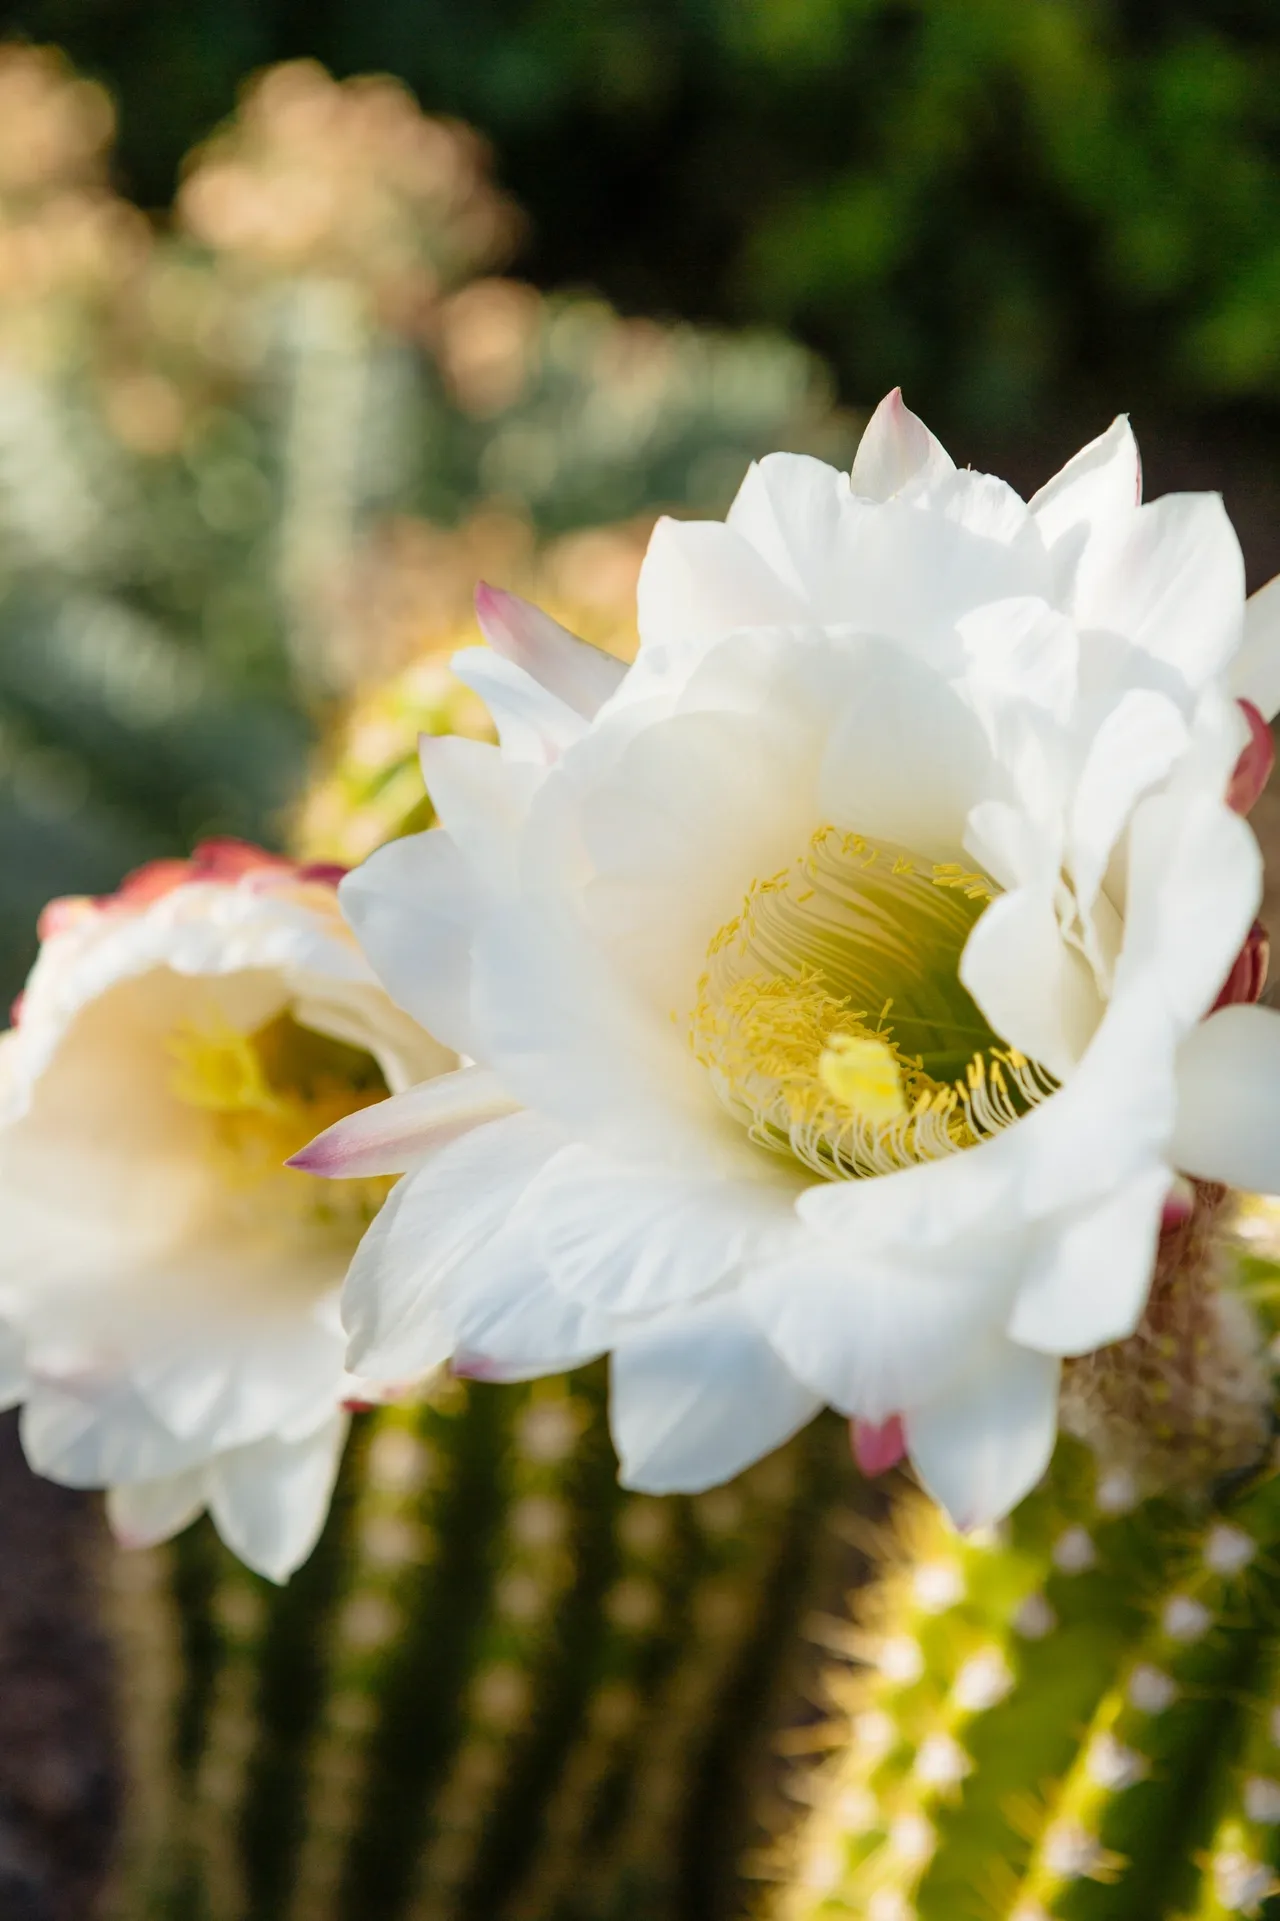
(268, 1093)
(832, 1020)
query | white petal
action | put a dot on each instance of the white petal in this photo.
(269, 1502)
(1134, 748)
(1088, 1280)
(412, 906)
(701, 580)
(438, 1216)
(1021, 650)
(697, 1397)
(143, 1513)
(510, 1323)
(1229, 1100)
(984, 1445)
(581, 676)
(790, 508)
(873, 1332)
(1085, 510)
(1195, 885)
(897, 448)
(1176, 586)
(532, 724)
(908, 759)
(695, 809)
(573, 1040)
(1037, 992)
(93, 1443)
(393, 1135)
(482, 798)
(1255, 671)
(632, 1238)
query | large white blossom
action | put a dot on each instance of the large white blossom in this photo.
(836, 977)
(170, 1289)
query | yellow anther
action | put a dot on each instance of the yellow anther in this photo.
(862, 1073)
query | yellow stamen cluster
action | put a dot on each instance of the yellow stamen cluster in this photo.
(780, 1024)
(267, 1094)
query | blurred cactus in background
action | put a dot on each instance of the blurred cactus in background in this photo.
(1076, 1718)
(245, 450)
(500, 1690)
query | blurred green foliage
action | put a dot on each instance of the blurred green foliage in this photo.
(255, 452)
(1016, 208)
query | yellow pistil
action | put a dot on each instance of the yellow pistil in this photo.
(860, 1071)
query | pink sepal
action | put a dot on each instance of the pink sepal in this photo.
(878, 1447)
(1253, 769)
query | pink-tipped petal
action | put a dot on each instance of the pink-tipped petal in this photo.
(1248, 976)
(393, 1135)
(877, 1446)
(1253, 769)
(896, 447)
(580, 675)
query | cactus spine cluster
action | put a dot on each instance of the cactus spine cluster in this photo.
(502, 1689)
(1074, 1719)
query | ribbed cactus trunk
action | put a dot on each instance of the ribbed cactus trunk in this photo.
(1076, 1720)
(501, 1689)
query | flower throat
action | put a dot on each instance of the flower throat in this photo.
(832, 1020)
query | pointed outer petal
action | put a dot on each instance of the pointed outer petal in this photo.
(1176, 586)
(633, 1239)
(1087, 1282)
(696, 808)
(1248, 976)
(697, 1396)
(269, 1501)
(1229, 1100)
(394, 1306)
(1134, 748)
(1037, 992)
(908, 760)
(572, 1040)
(1021, 650)
(574, 672)
(1255, 671)
(1253, 769)
(702, 580)
(393, 1135)
(897, 448)
(482, 798)
(144, 1513)
(984, 1445)
(1195, 885)
(532, 724)
(877, 1446)
(876, 1332)
(412, 906)
(511, 1323)
(1085, 510)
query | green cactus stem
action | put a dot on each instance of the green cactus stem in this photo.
(502, 1689)
(1072, 1719)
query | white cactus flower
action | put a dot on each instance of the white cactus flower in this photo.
(836, 976)
(170, 1288)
